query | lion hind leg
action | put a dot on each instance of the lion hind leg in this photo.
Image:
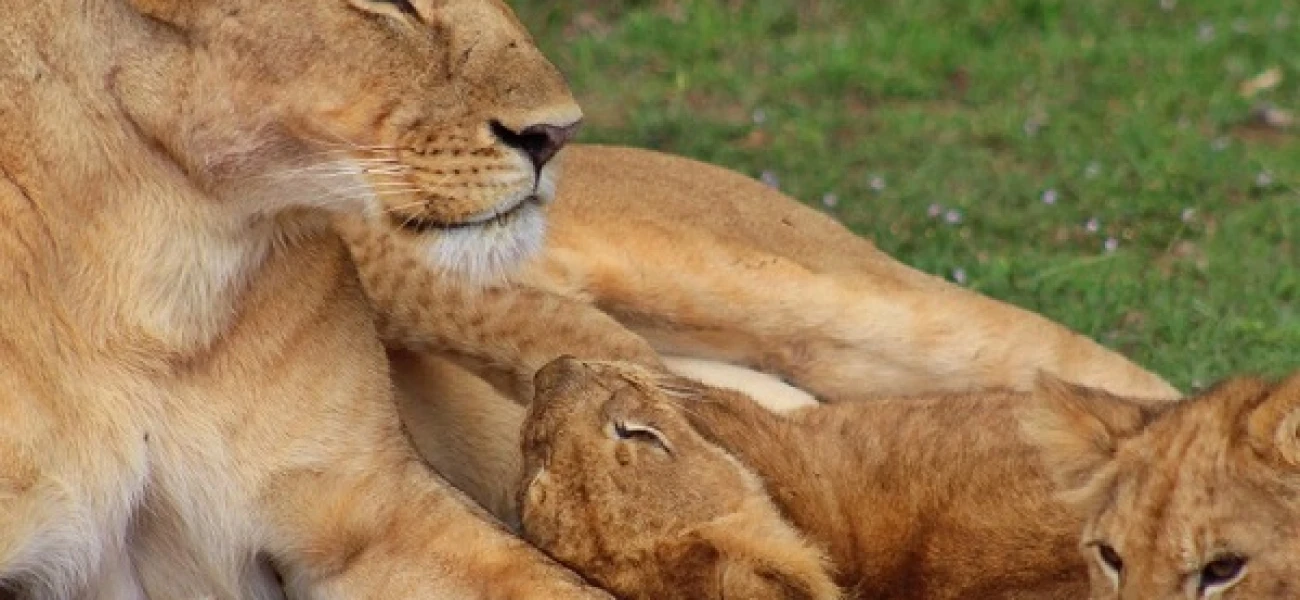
(841, 335)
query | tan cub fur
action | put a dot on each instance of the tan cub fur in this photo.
(467, 430)
(653, 252)
(924, 497)
(193, 390)
(621, 489)
(1196, 500)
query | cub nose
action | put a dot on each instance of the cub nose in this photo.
(539, 142)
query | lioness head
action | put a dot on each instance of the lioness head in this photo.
(1200, 499)
(618, 486)
(438, 117)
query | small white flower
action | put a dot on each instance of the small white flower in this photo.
(770, 179)
(1093, 225)
(1111, 244)
(934, 210)
(1168, 5)
(830, 200)
(953, 216)
(959, 275)
(877, 183)
(759, 116)
(1264, 179)
(1188, 215)
(1205, 32)
(1049, 196)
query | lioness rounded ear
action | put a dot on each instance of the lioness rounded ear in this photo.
(1077, 431)
(1274, 426)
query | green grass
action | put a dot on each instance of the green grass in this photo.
(1126, 110)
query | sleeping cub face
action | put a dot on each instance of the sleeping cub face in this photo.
(619, 486)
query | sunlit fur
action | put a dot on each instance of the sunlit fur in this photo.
(194, 401)
(1171, 489)
(682, 521)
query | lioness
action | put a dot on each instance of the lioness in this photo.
(1195, 500)
(195, 399)
(658, 487)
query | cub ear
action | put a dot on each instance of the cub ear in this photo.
(1077, 431)
(1274, 426)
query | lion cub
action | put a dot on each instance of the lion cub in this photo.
(1195, 500)
(656, 487)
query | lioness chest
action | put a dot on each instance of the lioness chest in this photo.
(298, 379)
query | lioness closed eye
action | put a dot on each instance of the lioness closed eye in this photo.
(1196, 500)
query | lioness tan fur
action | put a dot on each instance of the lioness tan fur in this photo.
(914, 497)
(195, 399)
(1195, 500)
(647, 252)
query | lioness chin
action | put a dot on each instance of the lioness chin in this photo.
(195, 400)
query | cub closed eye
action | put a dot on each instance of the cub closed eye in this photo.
(639, 433)
(403, 6)
(1221, 571)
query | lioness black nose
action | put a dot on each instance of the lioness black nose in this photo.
(540, 142)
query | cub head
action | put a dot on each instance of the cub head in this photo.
(437, 118)
(619, 487)
(1199, 499)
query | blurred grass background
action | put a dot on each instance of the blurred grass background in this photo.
(1096, 161)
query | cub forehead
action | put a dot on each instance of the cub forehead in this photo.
(1186, 509)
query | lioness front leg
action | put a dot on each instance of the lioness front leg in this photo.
(386, 527)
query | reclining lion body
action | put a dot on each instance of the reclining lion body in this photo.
(648, 253)
(193, 389)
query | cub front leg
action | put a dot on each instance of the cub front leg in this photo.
(499, 331)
